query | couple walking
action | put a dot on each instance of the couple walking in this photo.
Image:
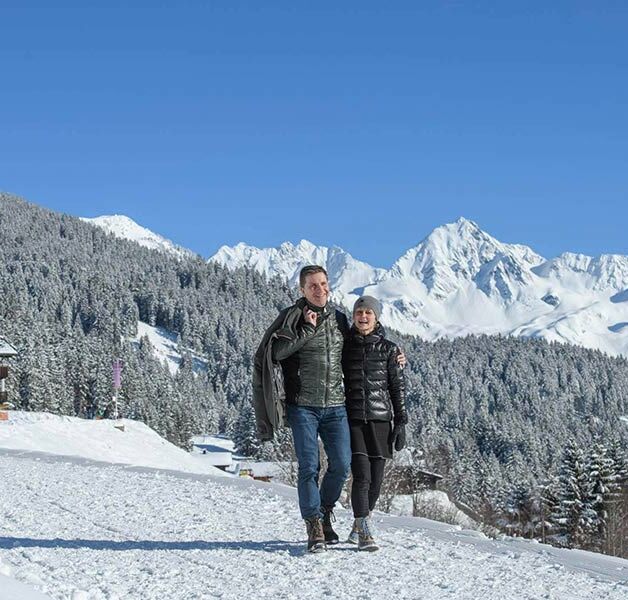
(342, 383)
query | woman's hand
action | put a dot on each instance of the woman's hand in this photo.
(398, 437)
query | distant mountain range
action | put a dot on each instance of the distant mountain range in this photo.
(459, 280)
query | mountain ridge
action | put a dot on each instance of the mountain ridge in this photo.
(460, 280)
(124, 227)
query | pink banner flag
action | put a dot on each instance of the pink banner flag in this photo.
(117, 374)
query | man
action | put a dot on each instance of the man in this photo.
(307, 340)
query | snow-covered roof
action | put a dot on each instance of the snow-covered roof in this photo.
(215, 449)
(430, 474)
(217, 457)
(6, 350)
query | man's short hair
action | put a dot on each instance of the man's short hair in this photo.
(310, 270)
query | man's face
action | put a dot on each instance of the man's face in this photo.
(364, 320)
(316, 289)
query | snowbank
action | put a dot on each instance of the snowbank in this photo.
(433, 504)
(138, 445)
(10, 589)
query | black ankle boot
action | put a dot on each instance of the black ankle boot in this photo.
(331, 537)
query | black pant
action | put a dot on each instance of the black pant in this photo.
(368, 474)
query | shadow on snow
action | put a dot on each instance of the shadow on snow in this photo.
(292, 548)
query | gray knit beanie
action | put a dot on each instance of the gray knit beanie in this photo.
(369, 302)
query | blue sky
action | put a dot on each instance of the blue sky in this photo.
(362, 124)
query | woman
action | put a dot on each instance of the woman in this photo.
(375, 398)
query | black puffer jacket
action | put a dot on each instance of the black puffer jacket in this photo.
(374, 382)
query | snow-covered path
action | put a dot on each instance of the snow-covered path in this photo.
(77, 529)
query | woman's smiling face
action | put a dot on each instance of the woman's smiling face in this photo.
(364, 320)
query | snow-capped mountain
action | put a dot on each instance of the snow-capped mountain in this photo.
(606, 272)
(126, 228)
(345, 272)
(457, 253)
(459, 280)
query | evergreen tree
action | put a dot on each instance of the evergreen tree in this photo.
(518, 511)
(573, 515)
(244, 433)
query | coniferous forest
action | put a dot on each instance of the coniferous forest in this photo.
(532, 436)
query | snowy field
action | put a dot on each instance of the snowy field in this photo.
(79, 529)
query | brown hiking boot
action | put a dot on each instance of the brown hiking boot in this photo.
(315, 535)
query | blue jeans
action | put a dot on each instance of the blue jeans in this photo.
(307, 423)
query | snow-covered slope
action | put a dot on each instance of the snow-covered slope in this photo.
(138, 445)
(459, 280)
(10, 589)
(87, 530)
(126, 228)
(165, 347)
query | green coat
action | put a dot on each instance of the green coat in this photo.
(311, 365)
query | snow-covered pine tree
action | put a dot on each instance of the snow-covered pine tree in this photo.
(573, 515)
(616, 502)
(546, 504)
(245, 434)
(600, 471)
(518, 510)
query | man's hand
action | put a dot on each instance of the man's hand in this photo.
(401, 359)
(309, 316)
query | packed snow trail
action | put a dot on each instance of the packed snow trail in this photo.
(77, 529)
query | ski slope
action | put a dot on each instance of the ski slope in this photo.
(82, 529)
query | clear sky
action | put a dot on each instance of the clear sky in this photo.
(361, 124)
